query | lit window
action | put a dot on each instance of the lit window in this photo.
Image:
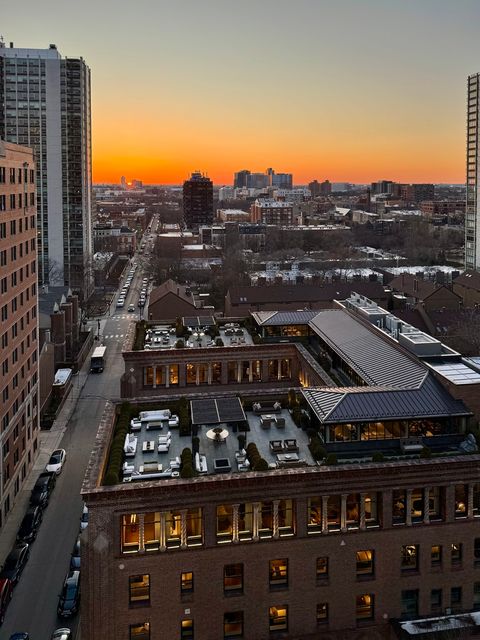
(461, 499)
(365, 562)
(322, 568)
(139, 589)
(279, 572)
(278, 617)
(365, 606)
(314, 522)
(186, 581)
(186, 630)
(224, 523)
(410, 557)
(322, 613)
(140, 631)
(457, 549)
(130, 533)
(233, 577)
(233, 624)
(436, 554)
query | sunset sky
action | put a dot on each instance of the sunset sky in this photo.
(349, 90)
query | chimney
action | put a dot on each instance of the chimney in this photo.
(415, 285)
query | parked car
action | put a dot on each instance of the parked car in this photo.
(75, 557)
(15, 563)
(42, 489)
(120, 303)
(84, 518)
(56, 462)
(69, 599)
(30, 525)
(61, 634)
(6, 591)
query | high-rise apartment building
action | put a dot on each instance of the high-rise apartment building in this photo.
(240, 179)
(45, 104)
(197, 200)
(280, 180)
(18, 328)
(472, 213)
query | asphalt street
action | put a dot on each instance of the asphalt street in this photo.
(34, 604)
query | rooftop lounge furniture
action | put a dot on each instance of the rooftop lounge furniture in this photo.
(135, 424)
(130, 446)
(174, 464)
(290, 445)
(164, 443)
(173, 421)
(128, 469)
(266, 421)
(201, 463)
(279, 422)
(276, 446)
(259, 408)
(148, 445)
(411, 445)
(151, 467)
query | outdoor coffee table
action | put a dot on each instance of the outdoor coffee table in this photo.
(148, 445)
(287, 457)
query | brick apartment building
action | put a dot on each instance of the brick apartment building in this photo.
(18, 328)
(301, 550)
(269, 211)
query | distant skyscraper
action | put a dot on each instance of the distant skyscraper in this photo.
(197, 200)
(45, 105)
(240, 179)
(320, 188)
(123, 182)
(472, 210)
(280, 180)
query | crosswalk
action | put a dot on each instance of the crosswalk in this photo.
(114, 336)
(127, 316)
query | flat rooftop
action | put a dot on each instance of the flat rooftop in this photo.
(162, 336)
(278, 439)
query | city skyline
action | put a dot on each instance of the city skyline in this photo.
(348, 92)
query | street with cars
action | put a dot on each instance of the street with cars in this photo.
(40, 579)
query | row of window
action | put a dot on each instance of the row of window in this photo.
(18, 402)
(17, 175)
(276, 518)
(233, 621)
(17, 201)
(18, 301)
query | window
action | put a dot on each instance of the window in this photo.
(410, 557)
(224, 523)
(186, 630)
(130, 533)
(461, 499)
(322, 568)
(436, 600)
(476, 596)
(265, 529)
(398, 511)
(186, 582)
(409, 605)
(233, 624)
(140, 631)
(436, 555)
(278, 618)
(457, 552)
(314, 515)
(476, 550)
(322, 613)
(278, 572)
(233, 578)
(365, 606)
(139, 589)
(456, 597)
(365, 563)
(334, 509)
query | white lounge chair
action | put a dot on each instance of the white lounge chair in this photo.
(130, 447)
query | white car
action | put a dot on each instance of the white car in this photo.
(56, 462)
(61, 634)
(120, 303)
(84, 518)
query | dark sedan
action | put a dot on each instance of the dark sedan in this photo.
(42, 490)
(75, 557)
(30, 524)
(69, 599)
(15, 562)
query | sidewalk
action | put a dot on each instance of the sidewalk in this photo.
(47, 442)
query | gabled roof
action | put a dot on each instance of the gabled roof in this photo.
(376, 361)
(413, 286)
(302, 293)
(357, 404)
(280, 318)
(170, 286)
(470, 279)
